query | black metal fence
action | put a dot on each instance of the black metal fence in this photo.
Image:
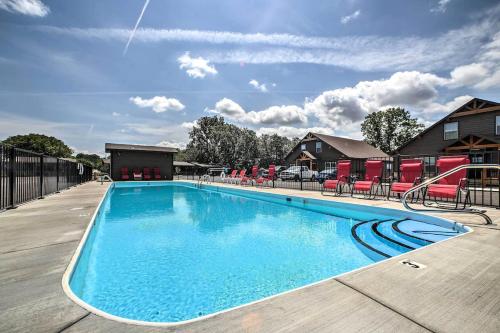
(26, 175)
(483, 184)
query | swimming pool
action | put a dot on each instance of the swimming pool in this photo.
(168, 252)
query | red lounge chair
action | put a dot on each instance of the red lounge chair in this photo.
(269, 178)
(137, 174)
(373, 175)
(124, 174)
(248, 180)
(241, 175)
(343, 178)
(147, 174)
(410, 175)
(454, 185)
(157, 173)
(230, 178)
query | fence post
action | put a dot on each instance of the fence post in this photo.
(57, 175)
(300, 173)
(41, 177)
(12, 176)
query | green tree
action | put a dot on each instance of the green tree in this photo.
(389, 129)
(40, 143)
(93, 160)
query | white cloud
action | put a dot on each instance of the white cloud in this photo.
(158, 103)
(349, 18)
(115, 114)
(365, 53)
(188, 125)
(293, 132)
(259, 86)
(26, 7)
(196, 67)
(435, 108)
(344, 106)
(468, 75)
(279, 115)
(441, 6)
(172, 144)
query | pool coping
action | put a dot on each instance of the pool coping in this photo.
(76, 255)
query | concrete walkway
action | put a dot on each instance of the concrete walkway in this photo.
(458, 291)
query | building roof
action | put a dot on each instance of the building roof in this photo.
(474, 106)
(349, 147)
(119, 146)
(183, 164)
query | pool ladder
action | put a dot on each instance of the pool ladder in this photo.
(201, 179)
(441, 209)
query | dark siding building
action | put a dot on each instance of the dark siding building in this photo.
(316, 150)
(473, 127)
(140, 157)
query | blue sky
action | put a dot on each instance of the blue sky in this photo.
(273, 66)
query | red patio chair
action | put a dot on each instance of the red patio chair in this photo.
(343, 178)
(410, 172)
(373, 175)
(240, 176)
(137, 174)
(269, 178)
(230, 178)
(124, 174)
(248, 180)
(157, 173)
(454, 185)
(147, 174)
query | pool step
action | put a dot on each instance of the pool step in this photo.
(384, 231)
(381, 239)
(373, 246)
(422, 233)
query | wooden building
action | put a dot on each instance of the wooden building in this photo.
(473, 127)
(317, 150)
(140, 157)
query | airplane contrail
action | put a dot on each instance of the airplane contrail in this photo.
(135, 28)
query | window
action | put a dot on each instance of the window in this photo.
(497, 125)
(451, 131)
(303, 147)
(318, 147)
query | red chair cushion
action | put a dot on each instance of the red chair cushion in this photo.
(447, 163)
(401, 187)
(125, 177)
(442, 191)
(331, 184)
(363, 185)
(374, 169)
(411, 169)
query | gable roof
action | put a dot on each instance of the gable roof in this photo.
(474, 106)
(119, 146)
(349, 147)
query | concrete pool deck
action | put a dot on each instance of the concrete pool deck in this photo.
(457, 291)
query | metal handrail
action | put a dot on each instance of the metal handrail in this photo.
(481, 213)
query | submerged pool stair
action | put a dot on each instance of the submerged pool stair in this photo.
(381, 239)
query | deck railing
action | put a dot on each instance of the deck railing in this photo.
(26, 175)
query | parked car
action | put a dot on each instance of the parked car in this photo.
(330, 173)
(294, 173)
(278, 169)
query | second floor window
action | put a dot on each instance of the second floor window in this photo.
(451, 131)
(318, 147)
(497, 125)
(303, 147)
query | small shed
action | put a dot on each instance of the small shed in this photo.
(140, 157)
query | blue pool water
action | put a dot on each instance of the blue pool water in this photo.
(175, 252)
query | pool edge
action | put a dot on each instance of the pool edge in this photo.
(76, 255)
